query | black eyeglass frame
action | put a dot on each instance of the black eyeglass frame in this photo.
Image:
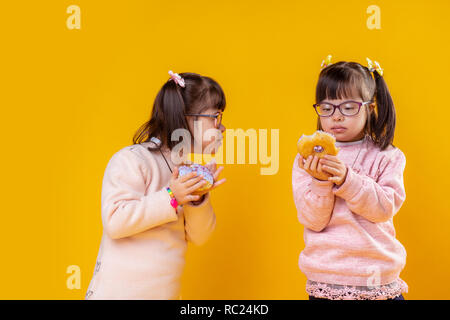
(215, 116)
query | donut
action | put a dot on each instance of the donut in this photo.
(207, 175)
(319, 143)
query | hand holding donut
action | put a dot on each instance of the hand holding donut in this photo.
(335, 167)
(313, 167)
(196, 181)
(314, 147)
(212, 167)
(183, 186)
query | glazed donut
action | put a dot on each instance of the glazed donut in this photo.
(319, 143)
(207, 175)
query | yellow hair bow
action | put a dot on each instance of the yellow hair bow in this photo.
(326, 62)
(377, 67)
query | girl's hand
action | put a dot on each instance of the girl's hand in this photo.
(313, 167)
(212, 167)
(182, 187)
(335, 167)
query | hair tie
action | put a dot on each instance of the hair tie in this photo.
(374, 66)
(177, 78)
(155, 140)
(326, 62)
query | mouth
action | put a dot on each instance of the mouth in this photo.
(338, 129)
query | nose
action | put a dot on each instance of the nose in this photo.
(337, 115)
(222, 128)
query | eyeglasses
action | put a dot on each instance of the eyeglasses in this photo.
(217, 117)
(347, 108)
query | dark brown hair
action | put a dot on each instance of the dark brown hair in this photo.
(340, 80)
(172, 103)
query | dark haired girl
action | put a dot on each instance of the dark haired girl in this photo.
(149, 212)
(351, 251)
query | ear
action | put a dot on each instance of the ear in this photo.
(373, 108)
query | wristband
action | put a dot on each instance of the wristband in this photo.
(173, 201)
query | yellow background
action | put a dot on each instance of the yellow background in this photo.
(71, 98)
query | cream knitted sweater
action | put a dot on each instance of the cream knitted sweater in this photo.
(142, 249)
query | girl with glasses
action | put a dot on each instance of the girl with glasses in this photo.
(150, 212)
(351, 251)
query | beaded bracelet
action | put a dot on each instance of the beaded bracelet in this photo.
(173, 201)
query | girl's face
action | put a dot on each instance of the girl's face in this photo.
(206, 130)
(345, 128)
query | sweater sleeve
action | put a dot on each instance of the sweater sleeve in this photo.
(314, 199)
(200, 220)
(376, 201)
(126, 209)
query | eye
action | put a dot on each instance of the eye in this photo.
(325, 107)
(350, 106)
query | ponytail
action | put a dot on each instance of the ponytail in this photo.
(167, 116)
(382, 126)
(173, 108)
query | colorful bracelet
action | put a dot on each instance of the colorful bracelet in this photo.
(173, 201)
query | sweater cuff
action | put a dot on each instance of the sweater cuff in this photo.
(169, 211)
(350, 187)
(321, 187)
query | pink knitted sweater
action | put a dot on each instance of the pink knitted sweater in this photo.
(142, 250)
(349, 233)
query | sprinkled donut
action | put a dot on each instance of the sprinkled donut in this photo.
(207, 175)
(319, 143)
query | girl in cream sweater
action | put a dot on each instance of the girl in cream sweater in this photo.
(148, 210)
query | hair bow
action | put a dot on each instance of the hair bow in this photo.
(326, 62)
(374, 66)
(177, 78)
